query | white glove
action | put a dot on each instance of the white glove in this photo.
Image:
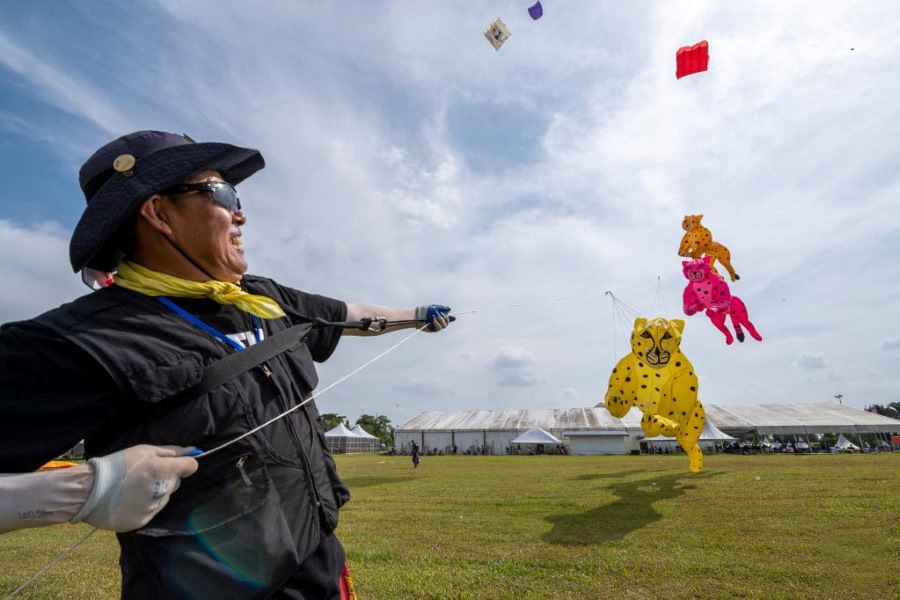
(132, 485)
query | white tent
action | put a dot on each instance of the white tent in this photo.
(534, 441)
(711, 433)
(373, 444)
(536, 435)
(344, 441)
(845, 444)
(358, 430)
(339, 432)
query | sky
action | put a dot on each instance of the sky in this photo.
(410, 163)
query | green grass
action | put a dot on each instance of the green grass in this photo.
(776, 526)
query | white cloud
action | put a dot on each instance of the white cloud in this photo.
(34, 270)
(810, 361)
(516, 367)
(54, 85)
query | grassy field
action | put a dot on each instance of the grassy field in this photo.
(774, 526)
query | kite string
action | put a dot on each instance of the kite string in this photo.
(623, 314)
(64, 554)
(361, 367)
(316, 395)
(530, 303)
(660, 297)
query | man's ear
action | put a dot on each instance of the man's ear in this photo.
(155, 212)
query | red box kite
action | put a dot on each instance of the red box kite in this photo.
(692, 59)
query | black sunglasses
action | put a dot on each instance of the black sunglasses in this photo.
(222, 193)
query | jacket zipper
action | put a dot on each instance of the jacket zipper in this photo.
(240, 466)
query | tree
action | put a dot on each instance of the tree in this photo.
(891, 410)
(332, 420)
(379, 426)
(827, 440)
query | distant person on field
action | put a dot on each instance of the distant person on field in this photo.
(415, 455)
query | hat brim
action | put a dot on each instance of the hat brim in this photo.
(118, 199)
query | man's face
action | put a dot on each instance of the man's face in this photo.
(207, 232)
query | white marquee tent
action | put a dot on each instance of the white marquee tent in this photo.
(344, 441)
(594, 431)
(534, 441)
(492, 431)
(358, 430)
(374, 442)
(845, 444)
(339, 431)
(536, 435)
(709, 438)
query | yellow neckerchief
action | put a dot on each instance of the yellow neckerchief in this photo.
(133, 276)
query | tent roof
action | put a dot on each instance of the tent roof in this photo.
(535, 435)
(559, 419)
(340, 431)
(822, 417)
(843, 443)
(765, 419)
(359, 431)
(711, 432)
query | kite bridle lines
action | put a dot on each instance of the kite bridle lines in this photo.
(623, 316)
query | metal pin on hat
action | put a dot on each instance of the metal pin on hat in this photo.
(124, 164)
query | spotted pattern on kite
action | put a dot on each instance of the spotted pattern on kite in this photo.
(670, 406)
(697, 242)
(707, 290)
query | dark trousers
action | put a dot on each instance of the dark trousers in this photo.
(319, 577)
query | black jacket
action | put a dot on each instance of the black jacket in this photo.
(254, 510)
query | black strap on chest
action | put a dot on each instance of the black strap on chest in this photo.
(224, 370)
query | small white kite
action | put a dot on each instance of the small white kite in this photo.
(497, 33)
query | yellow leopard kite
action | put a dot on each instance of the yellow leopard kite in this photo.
(697, 242)
(660, 380)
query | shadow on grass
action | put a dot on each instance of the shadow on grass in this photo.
(360, 482)
(632, 510)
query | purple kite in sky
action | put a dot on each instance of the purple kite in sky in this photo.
(536, 11)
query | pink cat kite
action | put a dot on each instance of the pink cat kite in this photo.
(706, 290)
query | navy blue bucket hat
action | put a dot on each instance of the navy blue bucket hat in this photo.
(121, 175)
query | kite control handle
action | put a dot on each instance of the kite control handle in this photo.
(371, 324)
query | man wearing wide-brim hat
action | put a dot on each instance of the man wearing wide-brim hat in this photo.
(181, 347)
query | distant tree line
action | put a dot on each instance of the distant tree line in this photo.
(890, 410)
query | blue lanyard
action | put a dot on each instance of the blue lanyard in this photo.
(257, 329)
